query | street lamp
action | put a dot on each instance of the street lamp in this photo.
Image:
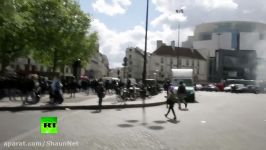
(178, 11)
(145, 50)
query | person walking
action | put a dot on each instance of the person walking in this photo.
(181, 94)
(56, 93)
(100, 93)
(171, 97)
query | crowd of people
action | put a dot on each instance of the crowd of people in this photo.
(33, 86)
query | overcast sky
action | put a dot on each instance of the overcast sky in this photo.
(121, 23)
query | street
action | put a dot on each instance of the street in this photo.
(219, 121)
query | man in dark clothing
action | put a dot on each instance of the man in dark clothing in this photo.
(128, 83)
(181, 93)
(100, 93)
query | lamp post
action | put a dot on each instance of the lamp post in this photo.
(178, 40)
(145, 50)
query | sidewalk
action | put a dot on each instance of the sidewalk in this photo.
(82, 101)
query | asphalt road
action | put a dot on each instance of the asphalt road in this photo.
(219, 121)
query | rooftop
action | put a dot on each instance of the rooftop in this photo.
(165, 50)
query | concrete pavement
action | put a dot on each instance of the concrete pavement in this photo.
(220, 121)
(82, 101)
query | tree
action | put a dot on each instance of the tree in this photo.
(13, 31)
(54, 32)
(61, 33)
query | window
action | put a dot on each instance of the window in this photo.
(179, 61)
(187, 62)
(130, 56)
(161, 68)
(161, 60)
(205, 36)
(171, 61)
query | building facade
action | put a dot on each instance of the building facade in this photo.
(135, 62)
(227, 35)
(238, 64)
(98, 67)
(230, 35)
(164, 58)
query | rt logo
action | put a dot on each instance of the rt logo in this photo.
(49, 125)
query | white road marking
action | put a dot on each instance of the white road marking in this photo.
(203, 121)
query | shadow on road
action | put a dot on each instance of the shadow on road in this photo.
(173, 121)
(96, 111)
(184, 109)
(160, 122)
(132, 121)
(125, 125)
(156, 127)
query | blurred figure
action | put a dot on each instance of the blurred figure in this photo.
(100, 93)
(73, 85)
(56, 93)
(181, 93)
(171, 98)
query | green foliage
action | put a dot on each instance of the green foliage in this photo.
(13, 33)
(54, 32)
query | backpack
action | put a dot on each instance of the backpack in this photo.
(181, 89)
(171, 98)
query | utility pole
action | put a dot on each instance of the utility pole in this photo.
(145, 50)
(178, 40)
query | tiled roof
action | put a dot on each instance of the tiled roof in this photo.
(165, 50)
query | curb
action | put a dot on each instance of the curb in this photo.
(88, 107)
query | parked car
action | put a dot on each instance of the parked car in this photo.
(209, 87)
(252, 89)
(198, 87)
(228, 88)
(239, 88)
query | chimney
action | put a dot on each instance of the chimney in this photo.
(159, 43)
(173, 45)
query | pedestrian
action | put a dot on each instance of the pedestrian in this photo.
(56, 93)
(100, 93)
(171, 98)
(181, 94)
(73, 87)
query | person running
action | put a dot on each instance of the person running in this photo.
(171, 97)
(100, 93)
(181, 93)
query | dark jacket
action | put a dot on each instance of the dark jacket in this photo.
(181, 89)
(100, 91)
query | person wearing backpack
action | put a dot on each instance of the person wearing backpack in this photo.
(181, 93)
(171, 98)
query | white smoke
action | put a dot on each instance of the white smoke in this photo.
(261, 53)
